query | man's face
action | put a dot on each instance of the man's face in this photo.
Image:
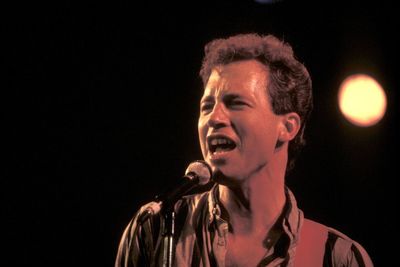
(238, 130)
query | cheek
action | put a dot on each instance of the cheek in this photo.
(263, 137)
(202, 130)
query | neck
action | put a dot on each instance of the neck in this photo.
(255, 205)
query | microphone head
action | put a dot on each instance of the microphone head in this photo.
(201, 169)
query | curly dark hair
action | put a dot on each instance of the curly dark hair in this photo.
(289, 87)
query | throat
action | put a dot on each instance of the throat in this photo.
(253, 212)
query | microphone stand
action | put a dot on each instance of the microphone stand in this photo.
(198, 172)
(168, 238)
(169, 219)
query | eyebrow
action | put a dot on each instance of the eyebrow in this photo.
(208, 98)
(232, 96)
(229, 96)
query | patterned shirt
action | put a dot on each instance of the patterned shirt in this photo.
(201, 233)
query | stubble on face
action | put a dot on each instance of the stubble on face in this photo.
(249, 119)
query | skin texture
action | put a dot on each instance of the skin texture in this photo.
(251, 176)
(234, 104)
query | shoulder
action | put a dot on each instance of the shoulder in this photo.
(195, 206)
(341, 250)
(345, 250)
(195, 201)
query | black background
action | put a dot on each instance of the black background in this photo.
(101, 105)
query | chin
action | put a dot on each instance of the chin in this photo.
(225, 177)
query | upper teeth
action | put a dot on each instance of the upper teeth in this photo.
(220, 141)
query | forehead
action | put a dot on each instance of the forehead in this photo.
(238, 77)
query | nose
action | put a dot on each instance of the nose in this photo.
(218, 117)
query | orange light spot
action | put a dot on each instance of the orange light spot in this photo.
(362, 100)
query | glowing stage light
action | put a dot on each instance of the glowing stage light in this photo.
(362, 100)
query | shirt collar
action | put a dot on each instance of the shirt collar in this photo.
(290, 223)
(214, 211)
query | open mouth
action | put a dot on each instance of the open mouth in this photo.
(219, 144)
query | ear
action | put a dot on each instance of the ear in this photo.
(290, 126)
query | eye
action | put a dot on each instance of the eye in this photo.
(206, 107)
(236, 104)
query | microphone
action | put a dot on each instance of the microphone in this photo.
(197, 173)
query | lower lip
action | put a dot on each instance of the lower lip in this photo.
(218, 156)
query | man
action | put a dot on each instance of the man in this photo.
(257, 98)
